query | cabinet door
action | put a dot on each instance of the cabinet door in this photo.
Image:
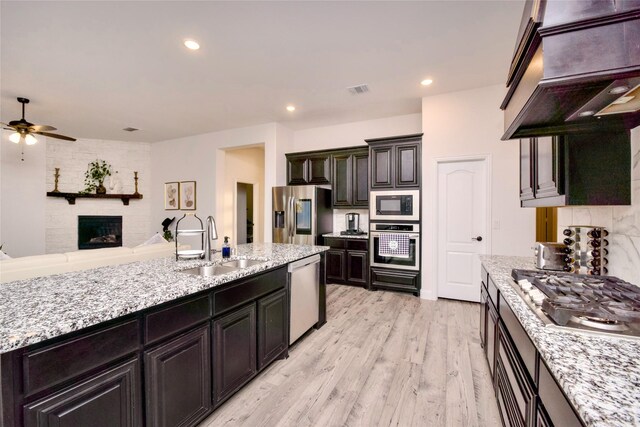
(548, 167)
(108, 399)
(381, 167)
(297, 170)
(490, 346)
(178, 380)
(483, 316)
(272, 327)
(234, 351)
(526, 168)
(361, 179)
(358, 267)
(342, 189)
(542, 419)
(407, 169)
(336, 259)
(319, 169)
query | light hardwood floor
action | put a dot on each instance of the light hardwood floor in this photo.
(382, 358)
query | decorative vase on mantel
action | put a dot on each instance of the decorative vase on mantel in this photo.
(100, 189)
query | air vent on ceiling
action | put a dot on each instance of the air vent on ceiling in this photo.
(130, 129)
(358, 90)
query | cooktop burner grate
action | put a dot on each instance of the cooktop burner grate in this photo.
(593, 303)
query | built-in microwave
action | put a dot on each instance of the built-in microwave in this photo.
(395, 205)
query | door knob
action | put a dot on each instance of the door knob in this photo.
(479, 238)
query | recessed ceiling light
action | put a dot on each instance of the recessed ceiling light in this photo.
(192, 44)
(587, 113)
(426, 82)
(291, 108)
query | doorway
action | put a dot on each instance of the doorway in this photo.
(244, 212)
(462, 218)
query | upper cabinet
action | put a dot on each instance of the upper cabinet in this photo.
(562, 79)
(347, 170)
(576, 169)
(350, 187)
(395, 161)
(308, 168)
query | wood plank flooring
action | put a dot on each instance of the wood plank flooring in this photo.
(381, 359)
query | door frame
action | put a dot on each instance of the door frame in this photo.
(436, 206)
(257, 227)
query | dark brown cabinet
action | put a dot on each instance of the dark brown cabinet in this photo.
(526, 392)
(234, 351)
(350, 186)
(272, 327)
(395, 280)
(110, 398)
(395, 161)
(348, 261)
(577, 169)
(347, 170)
(178, 380)
(305, 168)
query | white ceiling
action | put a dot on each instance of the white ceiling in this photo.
(93, 68)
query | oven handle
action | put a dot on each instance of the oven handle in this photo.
(378, 233)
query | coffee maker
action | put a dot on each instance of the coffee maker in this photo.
(352, 223)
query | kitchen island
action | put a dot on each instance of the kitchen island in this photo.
(599, 375)
(142, 343)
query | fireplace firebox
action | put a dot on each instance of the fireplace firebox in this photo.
(96, 232)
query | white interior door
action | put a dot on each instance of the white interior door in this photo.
(462, 227)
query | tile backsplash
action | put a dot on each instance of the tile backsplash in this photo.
(622, 222)
(339, 222)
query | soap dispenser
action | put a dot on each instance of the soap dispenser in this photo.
(226, 249)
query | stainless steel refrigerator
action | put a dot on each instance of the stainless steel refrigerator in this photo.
(301, 214)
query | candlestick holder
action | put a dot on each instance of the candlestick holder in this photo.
(56, 176)
(135, 178)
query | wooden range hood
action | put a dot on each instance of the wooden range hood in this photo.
(573, 59)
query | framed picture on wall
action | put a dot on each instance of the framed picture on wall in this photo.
(188, 195)
(171, 196)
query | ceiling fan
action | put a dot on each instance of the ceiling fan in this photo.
(24, 130)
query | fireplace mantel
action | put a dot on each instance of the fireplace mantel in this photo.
(71, 197)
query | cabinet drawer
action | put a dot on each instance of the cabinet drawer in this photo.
(51, 365)
(165, 322)
(557, 407)
(249, 290)
(357, 244)
(524, 346)
(398, 280)
(335, 242)
(484, 275)
(518, 383)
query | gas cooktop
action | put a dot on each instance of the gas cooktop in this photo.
(595, 304)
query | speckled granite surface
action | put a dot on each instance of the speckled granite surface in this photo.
(599, 375)
(34, 310)
(347, 236)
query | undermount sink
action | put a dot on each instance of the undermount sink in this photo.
(210, 270)
(242, 263)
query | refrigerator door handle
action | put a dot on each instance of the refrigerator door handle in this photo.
(291, 218)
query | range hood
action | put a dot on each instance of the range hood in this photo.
(576, 68)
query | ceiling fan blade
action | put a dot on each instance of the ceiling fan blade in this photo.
(41, 128)
(55, 135)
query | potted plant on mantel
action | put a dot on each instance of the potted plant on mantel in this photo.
(95, 175)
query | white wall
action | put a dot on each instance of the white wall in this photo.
(470, 123)
(622, 222)
(73, 158)
(23, 186)
(202, 158)
(354, 134)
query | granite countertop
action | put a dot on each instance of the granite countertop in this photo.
(37, 309)
(347, 236)
(600, 375)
